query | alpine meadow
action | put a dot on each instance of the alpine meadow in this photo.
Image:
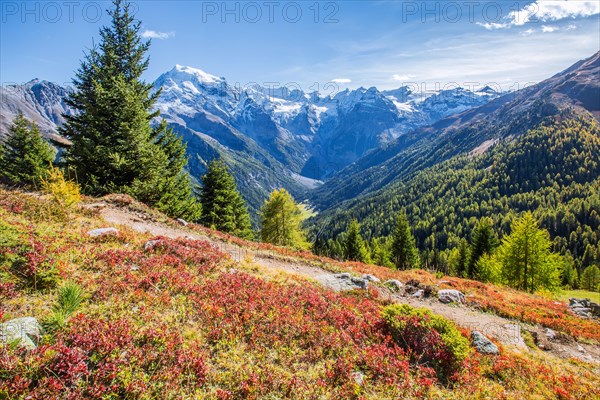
(384, 200)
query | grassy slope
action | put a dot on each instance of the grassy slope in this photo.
(175, 321)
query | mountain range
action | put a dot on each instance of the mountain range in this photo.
(328, 148)
(270, 137)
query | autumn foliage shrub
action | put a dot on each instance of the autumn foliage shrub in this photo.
(430, 339)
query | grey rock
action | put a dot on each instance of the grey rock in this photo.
(371, 278)
(341, 282)
(550, 334)
(27, 331)
(419, 293)
(482, 344)
(451, 296)
(394, 285)
(103, 231)
(360, 282)
(150, 244)
(182, 222)
(344, 275)
(358, 377)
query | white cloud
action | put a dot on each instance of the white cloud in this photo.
(341, 80)
(493, 25)
(545, 11)
(150, 34)
(528, 32)
(547, 29)
(402, 78)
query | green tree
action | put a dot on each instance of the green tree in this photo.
(223, 208)
(404, 250)
(354, 246)
(114, 147)
(484, 241)
(281, 221)
(569, 274)
(526, 259)
(463, 258)
(590, 279)
(380, 252)
(24, 156)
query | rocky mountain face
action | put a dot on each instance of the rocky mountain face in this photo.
(271, 137)
(312, 135)
(41, 101)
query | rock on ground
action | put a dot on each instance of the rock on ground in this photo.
(103, 231)
(394, 284)
(27, 331)
(451, 296)
(342, 282)
(483, 344)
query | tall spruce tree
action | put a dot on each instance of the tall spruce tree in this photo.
(484, 241)
(354, 246)
(281, 221)
(404, 251)
(223, 208)
(24, 156)
(114, 147)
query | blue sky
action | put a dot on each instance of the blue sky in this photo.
(311, 43)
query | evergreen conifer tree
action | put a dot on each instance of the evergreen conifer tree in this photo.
(114, 147)
(223, 208)
(404, 251)
(484, 241)
(24, 156)
(354, 246)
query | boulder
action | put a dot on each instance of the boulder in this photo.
(182, 222)
(344, 275)
(103, 231)
(360, 282)
(26, 331)
(342, 282)
(550, 334)
(394, 284)
(371, 278)
(150, 244)
(419, 293)
(451, 296)
(482, 344)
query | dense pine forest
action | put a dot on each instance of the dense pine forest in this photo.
(551, 170)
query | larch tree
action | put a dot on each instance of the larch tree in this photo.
(590, 279)
(223, 208)
(404, 250)
(114, 146)
(281, 221)
(526, 259)
(24, 156)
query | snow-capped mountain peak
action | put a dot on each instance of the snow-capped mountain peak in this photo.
(185, 73)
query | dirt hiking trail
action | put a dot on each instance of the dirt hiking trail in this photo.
(505, 331)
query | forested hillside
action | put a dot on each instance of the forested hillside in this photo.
(552, 170)
(575, 91)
